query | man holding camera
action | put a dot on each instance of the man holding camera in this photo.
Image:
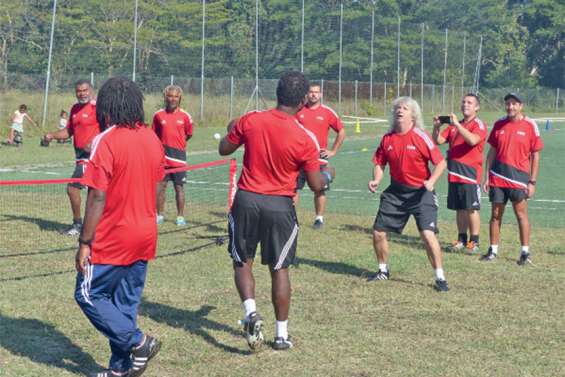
(464, 163)
(513, 167)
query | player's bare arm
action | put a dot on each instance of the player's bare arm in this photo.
(58, 135)
(490, 158)
(340, 137)
(533, 174)
(469, 137)
(436, 133)
(378, 172)
(437, 172)
(314, 180)
(95, 202)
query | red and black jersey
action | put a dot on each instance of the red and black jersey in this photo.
(515, 141)
(319, 121)
(126, 164)
(276, 148)
(465, 162)
(83, 127)
(408, 156)
(173, 129)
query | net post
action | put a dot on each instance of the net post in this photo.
(233, 182)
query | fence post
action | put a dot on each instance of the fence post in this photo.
(92, 79)
(384, 101)
(172, 80)
(557, 101)
(231, 98)
(356, 87)
(433, 97)
(322, 89)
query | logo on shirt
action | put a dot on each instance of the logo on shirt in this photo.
(320, 118)
(163, 121)
(521, 133)
(502, 132)
(85, 115)
(301, 115)
(411, 147)
(389, 148)
(180, 122)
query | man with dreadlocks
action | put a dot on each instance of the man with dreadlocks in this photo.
(119, 234)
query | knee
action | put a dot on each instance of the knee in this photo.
(379, 236)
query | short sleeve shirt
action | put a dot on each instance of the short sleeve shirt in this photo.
(126, 164)
(408, 156)
(515, 141)
(173, 129)
(276, 148)
(83, 127)
(319, 121)
(465, 162)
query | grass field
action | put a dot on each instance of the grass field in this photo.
(498, 319)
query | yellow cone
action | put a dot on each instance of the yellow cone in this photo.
(357, 127)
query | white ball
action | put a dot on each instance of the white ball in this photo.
(217, 136)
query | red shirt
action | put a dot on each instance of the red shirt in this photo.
(126, 164)
(408, 156)
(515, 141)
(465, 162)
(319, 121)
(276, 148)
(83, 127)
(173, 129)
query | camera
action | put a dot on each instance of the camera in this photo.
(444, 119)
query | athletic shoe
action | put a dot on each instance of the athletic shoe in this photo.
(141, 356)
(109, 373)
(73, 230)
(282, 344)
(380, 275)
(489, 256)
(472, 247)
(252, 325)
(318, 224)
(160, 219)
(441, 285)
(524, 259)
(456, 246)
(181, 221)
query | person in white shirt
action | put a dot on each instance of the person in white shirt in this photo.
(17, 127)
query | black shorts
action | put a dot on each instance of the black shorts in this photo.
(463, 196)
(78, 173)
(501, 195)
(326, 176)
(178, 178)
(398, 202)
(263, 219)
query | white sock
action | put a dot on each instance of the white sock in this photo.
(249, 306)
(281, 329)
(439, 274)
(525, 249)
(383, 267)
(494, 249)
(321, 218)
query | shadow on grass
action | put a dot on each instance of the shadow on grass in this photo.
(43, 343)
(335, 267)
(52, 251)
(46, 225)
(192, 321)
(392, 237)
(42, 275)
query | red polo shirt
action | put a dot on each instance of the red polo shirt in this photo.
(173, 129)
(126, 164)
(83, 127)
(408, 156)
(276, 148)
(319, 121)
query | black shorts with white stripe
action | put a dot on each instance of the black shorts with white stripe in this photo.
(267, 220)
(463, 196)
(501, 195)
(78, 173)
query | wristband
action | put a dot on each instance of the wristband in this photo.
(533, 183)
(84, 242)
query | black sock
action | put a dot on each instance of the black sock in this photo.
(462, 238)
(77, 221)
(475, 239)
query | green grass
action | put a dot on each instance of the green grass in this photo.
(498, 319)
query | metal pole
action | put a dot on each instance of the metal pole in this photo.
(410, 89)
(202, 62)
(231, 97)
(356, 88)
(49, 65)
(340, 56)
(134, 41)
(322, 90)
(256, 54)
(444, 74)
(371, 60)
(452, 97)
(463, 65)
(92, 79)
(422, 70)
(433, 98)
(557, 101)
(476, 79)
(384, 99)
(172, 80)
(302, 41)
(398, 60)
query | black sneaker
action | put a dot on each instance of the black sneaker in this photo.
(282, 344)
(140, 356)
(252, 326)
(441, 285)
(380, 275)
(318, 224)
(524, 259)
(489, 256)
(74, 230)
(109, 373)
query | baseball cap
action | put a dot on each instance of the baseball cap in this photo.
(513, 95)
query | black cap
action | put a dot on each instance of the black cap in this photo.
(512, 95)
